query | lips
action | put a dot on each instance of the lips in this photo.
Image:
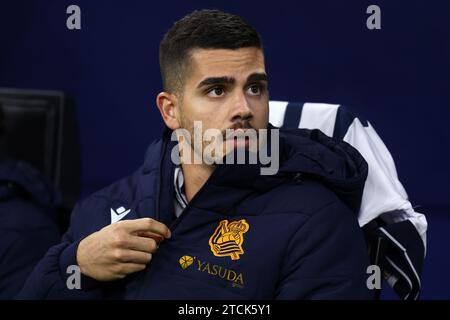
(241, 141)
(240, 130)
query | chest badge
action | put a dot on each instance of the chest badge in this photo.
(228, 238)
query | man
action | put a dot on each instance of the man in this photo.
(213, 230)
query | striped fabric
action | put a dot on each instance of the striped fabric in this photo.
(384, 198)
(180, 201)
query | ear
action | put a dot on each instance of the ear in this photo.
(166, 103)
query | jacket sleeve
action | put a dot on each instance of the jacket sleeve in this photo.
(49, 279)
(326, 258)
(404, 230)
(383, 192)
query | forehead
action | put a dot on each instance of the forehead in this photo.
(225, 62)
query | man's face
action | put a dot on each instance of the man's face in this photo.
(225, 89)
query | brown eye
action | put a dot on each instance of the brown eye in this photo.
(216, 92)
(254, 90)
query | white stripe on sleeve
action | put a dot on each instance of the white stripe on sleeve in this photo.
(319, 116)
(277, 110)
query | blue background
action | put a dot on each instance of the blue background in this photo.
(320, 51)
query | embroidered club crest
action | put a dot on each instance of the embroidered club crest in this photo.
(228, 238)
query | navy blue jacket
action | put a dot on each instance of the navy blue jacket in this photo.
(293, 235)
(28, 223)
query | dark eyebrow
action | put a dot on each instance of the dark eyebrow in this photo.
(215, 81)
(254, 77)
(257, 77)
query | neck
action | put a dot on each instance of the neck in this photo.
(195, 176)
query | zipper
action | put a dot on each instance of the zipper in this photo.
(174, 224)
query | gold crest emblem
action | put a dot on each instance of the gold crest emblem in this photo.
(228, 238)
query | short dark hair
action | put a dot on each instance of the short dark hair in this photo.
(204, 29)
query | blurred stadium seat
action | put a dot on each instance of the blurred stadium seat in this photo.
(40, 127)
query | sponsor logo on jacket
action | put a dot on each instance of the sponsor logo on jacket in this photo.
(236, 278)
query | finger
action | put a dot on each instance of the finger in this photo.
(144, 244)
(132, 256)
(127, 268)
(148, 234)
(146, 224)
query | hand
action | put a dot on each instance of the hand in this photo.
(120, 248)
